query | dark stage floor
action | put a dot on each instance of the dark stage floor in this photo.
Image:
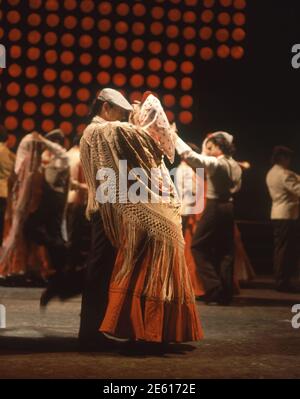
(253, 338)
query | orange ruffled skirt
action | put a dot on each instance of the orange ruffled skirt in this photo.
(130, 314)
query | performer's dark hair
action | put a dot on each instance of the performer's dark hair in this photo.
(96, 107)
(76, 140)
(280, 152)
(3, 134)
(226, 147)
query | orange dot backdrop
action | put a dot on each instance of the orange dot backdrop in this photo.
(62, 52)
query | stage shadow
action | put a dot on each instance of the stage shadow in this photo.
(24, 345)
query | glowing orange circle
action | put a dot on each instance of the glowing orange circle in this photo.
(66, 76)
(28, 124)
(138, 28)
(48, 109)
(154, 64)
(85, 41)
(66, 110)
(64, 92)
(186, 84)
(104, 25)
(139, 10)
(52, 20)
(51, 56)
(50, 75)
(237, 52)
(135, 96)
(13, 89)
(226, 3)
(223, 51)
(11, 123)
(15, 51)
(80, 128)
(14, 70)
(12, 105)
(185, 117)
(14, 35)
(157, 12)
(186, 101)
(137, 45)
(137, 63)
(67, 57)
(121, 27)
(239, 4)
(11, 141)
(205, 33)
(206, 53)
(238, 34)
(82, 110)
(48, 91)
(122, 9)
(191, 3)
(170, 66)
(170, 82)
(136, 80)
(85, 77)
(156, 28)
(189, 33)
(208, 3)
(187, 67)
(190, 50)
(13, 17)
(70, 4)
(120, 44)
(207, 16)
(155, 47)
(66, 127)
(222, 35)
(173, 49)
(169, 100)
(87, 23)
(174, 15)
(31, 72)
(153, 81)
(51, 5)
(83, 94)
(35, 4)
(119, 79)
(170, 115)
(224, 18)
(104, 43)
(31, 90)
(70, 22)
(105, 8)
(239, 19)
(189, 17)
(34, 37)
(50, 38)
(47, 125)
(67, 40)
(33, 53)
(103, 78)
(85, 58)
(87, 6)
(120, 62)
(105, 61)
(172, 31)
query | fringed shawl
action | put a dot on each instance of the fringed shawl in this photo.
(136, 227)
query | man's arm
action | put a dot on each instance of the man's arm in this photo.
(194, 159)
(292, 183)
